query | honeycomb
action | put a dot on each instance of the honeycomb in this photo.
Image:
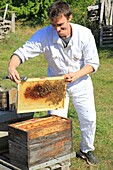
(52, 91)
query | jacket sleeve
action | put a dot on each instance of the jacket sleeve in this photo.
(32, 48)
(90, 52)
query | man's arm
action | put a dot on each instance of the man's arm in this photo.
(12, 72)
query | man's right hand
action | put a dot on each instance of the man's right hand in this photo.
(13, 75)
(12, 72)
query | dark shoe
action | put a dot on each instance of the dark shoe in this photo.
(89, 157)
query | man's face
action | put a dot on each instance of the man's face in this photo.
(62, 26)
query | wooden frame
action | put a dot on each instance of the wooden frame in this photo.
(38, 94)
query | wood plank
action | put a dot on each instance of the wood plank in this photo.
(12, 116)
(2, 167)
(107, 46)
(108, 42)
(108, 39)
(12, 99)
(3, 95)
(48, 139)
(4, 100)
(5, 165)
(61, 148)
(28, 159)
(12, 95)
(51, 129)
(32, 123)
(102, 12)
(41, 94)
(5, 12)
(39, 141)
(3, 141)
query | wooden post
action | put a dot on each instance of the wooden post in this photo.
(107, 11)
(13, 22)
(5, 12)
(101, 36)
(111, 15)
(101, 12)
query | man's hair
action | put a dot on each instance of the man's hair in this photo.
(58, 8)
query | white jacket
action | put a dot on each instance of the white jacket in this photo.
(80, 51)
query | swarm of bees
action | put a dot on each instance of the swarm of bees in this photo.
(53, 91)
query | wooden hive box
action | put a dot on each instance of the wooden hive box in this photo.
(39, 140)
(4, 100)
(8, 99)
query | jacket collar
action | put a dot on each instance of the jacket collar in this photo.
(58, 40)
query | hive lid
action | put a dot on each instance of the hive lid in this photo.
(38, 94)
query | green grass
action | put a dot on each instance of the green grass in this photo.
(103, 89)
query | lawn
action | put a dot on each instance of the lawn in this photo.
(103, 89)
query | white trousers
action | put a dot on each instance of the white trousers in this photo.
(83, 100)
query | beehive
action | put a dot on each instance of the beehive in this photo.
(39, 140)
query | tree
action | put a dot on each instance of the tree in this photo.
(35, 11)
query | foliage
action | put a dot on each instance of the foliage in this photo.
(79, 9)
(35, 11)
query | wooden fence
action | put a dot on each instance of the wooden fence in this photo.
(106, 23)
(6, 25)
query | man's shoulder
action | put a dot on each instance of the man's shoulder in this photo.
(79, 27)
(41, 33)
(45, 29)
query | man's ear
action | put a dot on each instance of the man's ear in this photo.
(70, 17)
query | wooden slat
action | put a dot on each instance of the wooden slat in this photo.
(3, 103)
(3, 95)
(32, 123)
(51, 129)
(3, 141)
(4, 100)
(8, 116)
(102, 11)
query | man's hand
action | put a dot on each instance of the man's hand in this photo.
(12, 72)
(13, 75)
(71, 77)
